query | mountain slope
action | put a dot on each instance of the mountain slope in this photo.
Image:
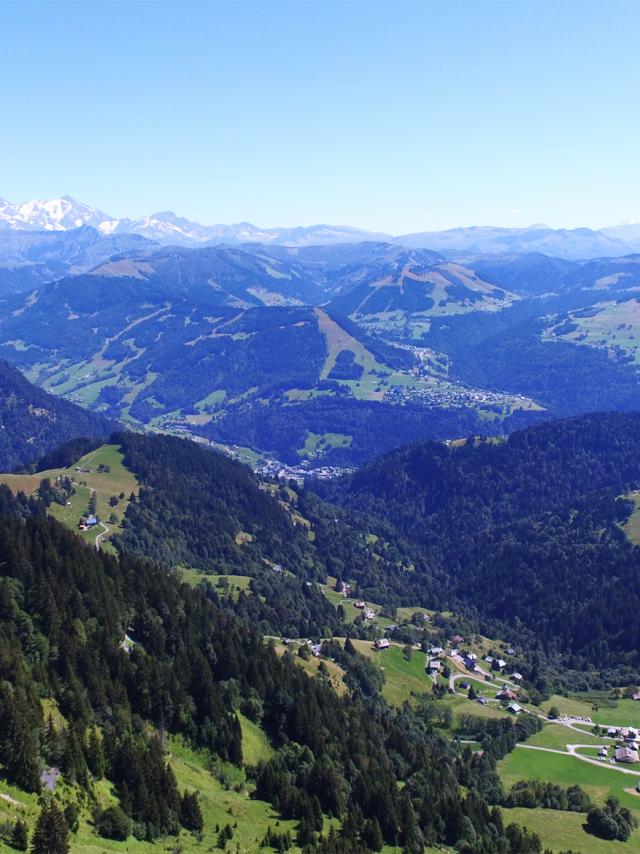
(204, 340)
(33, 422)
(130, 661)
(29, 258)
(527, 529)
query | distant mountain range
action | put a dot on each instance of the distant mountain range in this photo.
(167, 228)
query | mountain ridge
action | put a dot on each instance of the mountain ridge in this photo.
(167, 227)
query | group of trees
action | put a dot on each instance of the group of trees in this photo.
(611, 821)
(64, 608)
(535, 794)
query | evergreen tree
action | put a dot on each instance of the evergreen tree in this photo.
(51, 835)
(190, 813)
(20, 836)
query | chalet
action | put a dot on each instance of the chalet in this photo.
(456, 640)
(498, 663)
(506, 694)
(369, 614)
(470, 661)
(612, 732)
(360, 605)
(626, 754)
(514, 708)
(636, 696)
(602, 753)
(436, 651)
(510, 651)
(517, 677)
(381, 643)
(435, 666)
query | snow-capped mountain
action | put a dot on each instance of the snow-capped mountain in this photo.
(53, 215)
(166, 227)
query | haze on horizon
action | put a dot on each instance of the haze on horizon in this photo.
(396, 117)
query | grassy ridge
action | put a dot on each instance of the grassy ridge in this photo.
(105, 485)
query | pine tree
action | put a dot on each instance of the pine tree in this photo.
(190, 813)
(20, 836)
(95, 755)
(51, 835)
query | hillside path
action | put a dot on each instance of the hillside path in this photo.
(103, 533)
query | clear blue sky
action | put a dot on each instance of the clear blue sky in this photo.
(398, 116)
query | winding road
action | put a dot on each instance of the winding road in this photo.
(103, 533)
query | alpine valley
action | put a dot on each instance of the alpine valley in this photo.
(303, 351)
(409, 624)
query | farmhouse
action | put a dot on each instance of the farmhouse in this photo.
(626, 754)
(381, 643)
(506, 694)
(514, 708)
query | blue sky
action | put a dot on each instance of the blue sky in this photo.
(397, 116)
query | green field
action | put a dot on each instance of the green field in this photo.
(563, 831)
(557, 737)
(599, 782)
(599, 707)
(236, 582)
(402, 677)
(632, 526)
(105, 485)
(613, 326)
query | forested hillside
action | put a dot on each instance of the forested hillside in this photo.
(203, 510)
(66, 611)
(33, 422)
(525, 530)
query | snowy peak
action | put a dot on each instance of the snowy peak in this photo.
(53, 215)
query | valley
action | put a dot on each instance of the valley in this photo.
(464, 683)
